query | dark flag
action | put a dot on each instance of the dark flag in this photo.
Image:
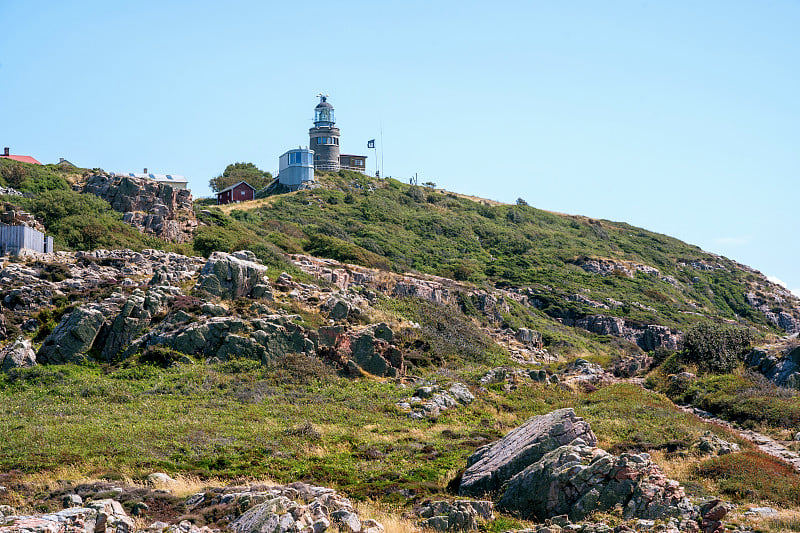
(371, 143)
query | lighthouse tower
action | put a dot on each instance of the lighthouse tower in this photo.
(324, 136)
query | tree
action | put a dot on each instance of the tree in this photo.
(236, 172)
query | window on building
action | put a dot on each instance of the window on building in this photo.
(242, 193)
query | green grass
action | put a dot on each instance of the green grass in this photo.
(737, 397)
(391, 225)
(294, 421)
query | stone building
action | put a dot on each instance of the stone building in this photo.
(324, 137)
(324, 141)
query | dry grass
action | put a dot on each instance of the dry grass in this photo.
(782, 521)
(246, 206)
(181, 485)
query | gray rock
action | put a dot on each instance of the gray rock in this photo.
(229, 277)
(347, 521)
(577, 479)
(494, 464)
(72, 500)
(269, 517)
(134, 317)
(19, 354)
(461, 393)
(710, 444)
(529, 336)
(160, 478)
(152, 207)
(73, 336)
(371, 526)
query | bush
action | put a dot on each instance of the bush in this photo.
(716, 347)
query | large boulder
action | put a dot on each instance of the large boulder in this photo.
(73, 336)
(232, 276)
(550, 466)
(578, 479)
(18, 354)
(494, 464)
(134, 317)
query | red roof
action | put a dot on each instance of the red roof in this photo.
(21, 158)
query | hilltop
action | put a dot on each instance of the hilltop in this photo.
(369, 336)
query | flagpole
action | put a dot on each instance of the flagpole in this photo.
(376, 159)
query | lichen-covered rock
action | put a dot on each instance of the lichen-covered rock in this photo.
(134, 317)
(461, 515)
(578, 479)
(150, 206)
(74, 335)
(781, 367)
(18, 354)
(494, 464)
(228, 276)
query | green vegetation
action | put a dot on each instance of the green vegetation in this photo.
(240, 419)
(741, 397)
(716, 347)
(388, 224)
(236, 172)
(31, 178)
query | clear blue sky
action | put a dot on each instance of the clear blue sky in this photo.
(682, 117)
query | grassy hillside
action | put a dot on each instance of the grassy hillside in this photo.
(391, 225)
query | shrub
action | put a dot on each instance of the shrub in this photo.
(752, 476)
(716, 347)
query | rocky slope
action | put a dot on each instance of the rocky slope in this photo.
(152, 207)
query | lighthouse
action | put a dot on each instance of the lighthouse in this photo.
(324, 136)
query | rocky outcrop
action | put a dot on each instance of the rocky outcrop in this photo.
(134, 317)
(295, 508)
(152, 207)
(18, 354)
(427, 287)
(105, 515)
(578, 479)
(494, 464)
(370, 349)
(550, 466)
(604, 267)
(711, 444)
(460, 515)
(780, 366)
(232, 276)
(774, 302)
(429, 400)
(647, 337)
(28, 287)
(511, 378)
